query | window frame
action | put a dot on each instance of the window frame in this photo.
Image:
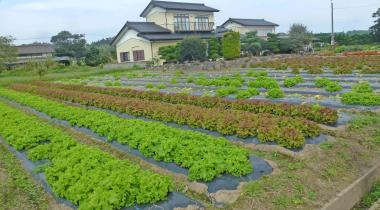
(182, 22)
(122, 56)
(138, 55)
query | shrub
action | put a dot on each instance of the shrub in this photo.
(214, 48)
(169, 53)
(192, 48)
(231, 45)
(275, 93)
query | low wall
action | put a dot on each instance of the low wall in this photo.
(346, 199)
(222, 64)
(124, 65)
(376, 206)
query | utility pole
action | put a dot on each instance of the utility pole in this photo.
(332, 24)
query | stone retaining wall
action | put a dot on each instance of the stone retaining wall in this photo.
(346, 199)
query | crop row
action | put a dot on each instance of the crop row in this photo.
(88, 177)
(315, 113)
(340, 65)
(227, 122)
(205, 156)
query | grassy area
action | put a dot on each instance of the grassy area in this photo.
(369, 199)
(17, 189)
(311, 180)
(67, 73)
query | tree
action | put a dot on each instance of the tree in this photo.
(375, 29)
(300, 36)
(231, 45)
(67, 44)
(273, 43)
(213, 48)
(192, 48)
(8, 52)
(97, 55)
(169, 53)
(252, 44)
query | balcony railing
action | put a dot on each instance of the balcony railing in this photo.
(193, 27)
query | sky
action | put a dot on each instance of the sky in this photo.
(37, 20)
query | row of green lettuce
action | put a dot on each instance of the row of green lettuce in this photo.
(88, 177)
(205, 156)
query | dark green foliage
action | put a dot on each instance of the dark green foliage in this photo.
(273, 43)
(300, 36)
(375, 29)
(192, 48)
(231, 45)
(97, 55)
(169, 53)
(251, 44)
(347, 39)
(8, 53)
(67, 44)
(214, 48)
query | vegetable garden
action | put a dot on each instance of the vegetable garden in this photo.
(252, 132)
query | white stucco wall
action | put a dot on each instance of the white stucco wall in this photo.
(262, 31)
(131, 42)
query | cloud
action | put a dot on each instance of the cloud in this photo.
(30, 20)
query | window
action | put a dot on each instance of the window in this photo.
(138, 55)
(124, 56)
(202, 23)
(181, 23)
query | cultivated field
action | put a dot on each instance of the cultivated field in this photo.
(281, 134)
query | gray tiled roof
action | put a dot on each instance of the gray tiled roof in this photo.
(182, 6)
(141, 28)
(251, 22)
(35, 49)
(175, 36)
(146, 27)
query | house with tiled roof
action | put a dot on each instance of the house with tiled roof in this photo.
(166, 23)
(261, 26)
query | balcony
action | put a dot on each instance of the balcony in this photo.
(193, 27)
